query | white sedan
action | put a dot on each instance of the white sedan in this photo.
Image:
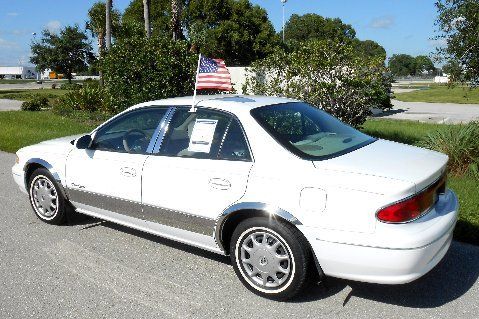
(283, 188)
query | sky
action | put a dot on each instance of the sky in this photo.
(400, 26)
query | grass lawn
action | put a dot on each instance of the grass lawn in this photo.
(466, 188)
(19, 128)
(441, 94)
(24, 95)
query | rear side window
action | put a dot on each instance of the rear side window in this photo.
(234, 146)
(196, 135)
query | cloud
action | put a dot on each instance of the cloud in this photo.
(4, 44)
(12, 14)
(53, 26)
(384, 22)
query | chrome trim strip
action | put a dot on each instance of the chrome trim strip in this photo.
(110, 203)
(179, 235)
(154, 214)
(165, 123)
(156, 134)
(255, 206)
(181, 220)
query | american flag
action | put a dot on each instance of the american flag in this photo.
(213, 74)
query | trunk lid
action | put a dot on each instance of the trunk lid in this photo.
(393, 161)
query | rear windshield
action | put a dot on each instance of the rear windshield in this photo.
(309, 132)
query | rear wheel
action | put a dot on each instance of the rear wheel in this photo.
(270, 257)
(46, 198)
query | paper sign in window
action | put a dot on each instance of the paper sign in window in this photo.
(202, 136)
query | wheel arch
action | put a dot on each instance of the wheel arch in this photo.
(233, 215)
(34, 163)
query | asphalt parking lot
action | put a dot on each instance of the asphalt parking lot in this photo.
(95, 269)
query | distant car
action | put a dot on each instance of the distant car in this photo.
(283, 188)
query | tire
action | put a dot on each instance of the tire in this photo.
(260, 247)
(46, 197)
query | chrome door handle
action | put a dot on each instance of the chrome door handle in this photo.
(219, 183)
(128, 171)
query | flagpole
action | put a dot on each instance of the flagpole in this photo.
(196, 82)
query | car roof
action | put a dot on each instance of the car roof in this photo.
(225, 102)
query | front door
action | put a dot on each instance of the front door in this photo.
(107, 175)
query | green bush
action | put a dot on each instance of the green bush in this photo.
(35, 103)
(70, 86)
(136, 70)
(60, 108)
(328, 74)
(460, 143)
(88, 98)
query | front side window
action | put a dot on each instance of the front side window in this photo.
(130, 133)
(309, 132)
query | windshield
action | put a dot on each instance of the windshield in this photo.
(309, 132)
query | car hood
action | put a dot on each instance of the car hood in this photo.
(61, 141)
(391, 160)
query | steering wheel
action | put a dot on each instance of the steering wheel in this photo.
(126, 144)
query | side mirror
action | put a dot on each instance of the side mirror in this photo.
(83, 142)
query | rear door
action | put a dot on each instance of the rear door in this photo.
(202, 168)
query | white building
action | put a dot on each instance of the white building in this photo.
(18, 72)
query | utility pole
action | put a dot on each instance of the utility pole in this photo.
(283, 2)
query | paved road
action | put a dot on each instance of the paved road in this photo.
(96, 269)
(28, 85)
(432, 112)
(10, 105)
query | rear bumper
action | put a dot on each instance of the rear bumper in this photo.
(377, 263)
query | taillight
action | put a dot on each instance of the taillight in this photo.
(413, 207)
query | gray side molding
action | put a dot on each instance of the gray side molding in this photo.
(255, 206)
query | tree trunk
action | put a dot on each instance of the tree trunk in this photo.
(101, 49)
(108, 24)
(176, 10)
(146, 16)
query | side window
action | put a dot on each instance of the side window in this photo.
(130, 133)
(196, 135)
(234, 146)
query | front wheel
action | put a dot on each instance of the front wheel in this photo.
(46, 198)
(270, 257)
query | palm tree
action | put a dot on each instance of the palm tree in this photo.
(108, 23)
(176, 10)
(146, 16)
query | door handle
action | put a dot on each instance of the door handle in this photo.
(128, 171)
(219, 183)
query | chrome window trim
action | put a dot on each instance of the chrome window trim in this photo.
(165, 124)
(157, 132)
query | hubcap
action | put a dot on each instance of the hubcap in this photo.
(44, 197)
(265, 259)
